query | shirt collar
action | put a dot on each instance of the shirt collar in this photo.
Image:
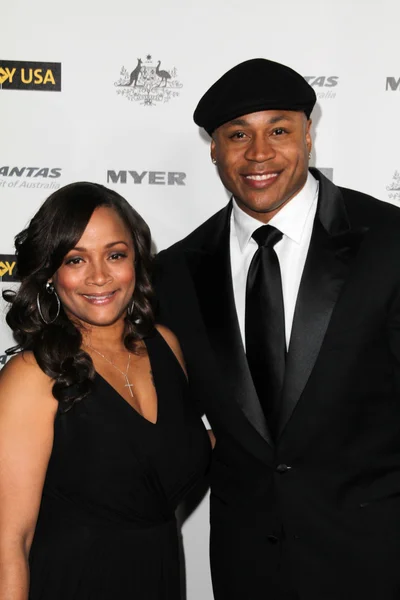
(290, 220)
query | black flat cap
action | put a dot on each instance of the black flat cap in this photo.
(251, 86)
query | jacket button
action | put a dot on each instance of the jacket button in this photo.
(283, 468)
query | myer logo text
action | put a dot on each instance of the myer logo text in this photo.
(392, 84)
(23, 75)
(147, 177)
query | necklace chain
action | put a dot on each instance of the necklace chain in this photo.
(128, 384)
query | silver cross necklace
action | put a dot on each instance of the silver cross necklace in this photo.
(128, 384)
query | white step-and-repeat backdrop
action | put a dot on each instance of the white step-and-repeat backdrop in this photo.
(105, 91)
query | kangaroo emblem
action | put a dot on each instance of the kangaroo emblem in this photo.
(135, 74)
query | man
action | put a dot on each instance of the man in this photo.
(292, 341)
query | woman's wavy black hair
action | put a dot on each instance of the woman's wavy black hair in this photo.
(40, 248)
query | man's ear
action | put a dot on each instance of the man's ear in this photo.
(212, 150)
(308, 135)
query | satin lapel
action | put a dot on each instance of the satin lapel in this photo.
(211, 272)
(332, 248)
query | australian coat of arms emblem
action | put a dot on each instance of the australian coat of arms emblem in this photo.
(394, 187)
(148, 83)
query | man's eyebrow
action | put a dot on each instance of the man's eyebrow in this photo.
(278, 118)
(270, 121)
(237, 122)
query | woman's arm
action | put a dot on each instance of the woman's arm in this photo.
(27, 411)
(172, 341)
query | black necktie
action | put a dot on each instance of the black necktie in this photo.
(265, 324)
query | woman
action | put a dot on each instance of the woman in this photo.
(98, 441)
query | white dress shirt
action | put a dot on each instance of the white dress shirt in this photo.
(295, 220)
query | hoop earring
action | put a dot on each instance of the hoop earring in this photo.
(130, 308)
(50, 290)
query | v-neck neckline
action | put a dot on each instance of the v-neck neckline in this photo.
(129, 406)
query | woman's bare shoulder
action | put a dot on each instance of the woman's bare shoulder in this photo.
(173, 343)
(168, 335)
(21, 375)
(23, 363)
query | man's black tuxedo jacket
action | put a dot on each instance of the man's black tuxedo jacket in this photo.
(321, 505)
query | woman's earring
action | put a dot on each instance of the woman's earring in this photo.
(131, 307)
(214, 161)
(50, 290)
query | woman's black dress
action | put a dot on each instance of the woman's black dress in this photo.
(106, 528)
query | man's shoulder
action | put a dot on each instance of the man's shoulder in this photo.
(200, 237)
(368, 209)
(361, 208)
